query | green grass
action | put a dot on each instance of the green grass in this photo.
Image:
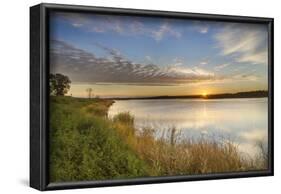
(86, 145)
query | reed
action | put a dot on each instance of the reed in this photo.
(170, 154)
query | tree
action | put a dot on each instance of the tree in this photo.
(89, 91)
(59, 84)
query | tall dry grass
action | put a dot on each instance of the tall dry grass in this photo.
(172, 155)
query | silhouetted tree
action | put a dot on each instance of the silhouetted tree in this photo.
(59, 84)
(89, 91)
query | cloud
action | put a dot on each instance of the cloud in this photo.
(165, 30)
(176, 62)
(201, 27)
(245, 77)
(221, 66)
(203, 30)
(148, 58)
(94, 23)
(203, 62)
(84, 67)
(123, 25)
(78, 25)
(246, 43)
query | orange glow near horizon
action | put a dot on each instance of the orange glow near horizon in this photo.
(122, 90)
(204, 94)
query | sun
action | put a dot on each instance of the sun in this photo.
(204, 94)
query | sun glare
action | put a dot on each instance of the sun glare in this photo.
(204, 94)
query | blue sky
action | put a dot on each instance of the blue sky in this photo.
(143, 51)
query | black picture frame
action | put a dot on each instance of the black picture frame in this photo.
(39, 72)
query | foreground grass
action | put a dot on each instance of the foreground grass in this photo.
(172, 155)
(87, 145)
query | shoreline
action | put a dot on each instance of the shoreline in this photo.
(251, 94)
(182, 98)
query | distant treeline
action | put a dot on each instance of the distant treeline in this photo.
(250, 94)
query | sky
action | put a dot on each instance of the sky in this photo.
(129, 56)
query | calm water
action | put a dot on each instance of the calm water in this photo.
(244, 121)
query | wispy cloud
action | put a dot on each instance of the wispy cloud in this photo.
(148, 58)
(247, 77)
(201, 27)
(203, 30)
(122, 25)
(177, 62)
(83, 66)
(165, 30)
(221, 66)
(246, 43)
(203, 62)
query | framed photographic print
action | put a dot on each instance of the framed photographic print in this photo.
(125, 96)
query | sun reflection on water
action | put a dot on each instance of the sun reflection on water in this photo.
(243, 119)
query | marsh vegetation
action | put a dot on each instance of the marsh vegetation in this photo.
(85, 144)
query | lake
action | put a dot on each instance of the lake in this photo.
(244, 121)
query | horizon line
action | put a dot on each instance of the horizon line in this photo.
(206, 96)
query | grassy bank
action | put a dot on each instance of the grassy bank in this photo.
(86, 145)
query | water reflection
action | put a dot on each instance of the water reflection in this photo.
(243, 120)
